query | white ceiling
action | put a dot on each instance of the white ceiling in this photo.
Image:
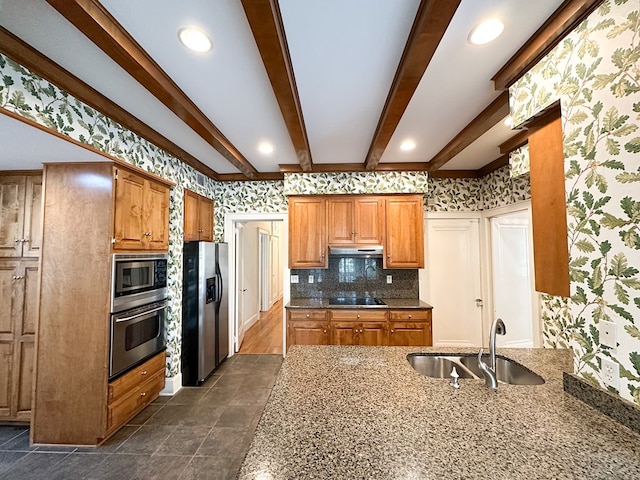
(344, 55)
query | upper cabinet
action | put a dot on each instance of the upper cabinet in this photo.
(355, 220)
(141, 212)
(198, 217)
(404, 237)
(307, 232)
(20, 215)
(393, 221)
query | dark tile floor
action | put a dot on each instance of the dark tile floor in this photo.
(199, 433)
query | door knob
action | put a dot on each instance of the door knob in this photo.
(479, 302)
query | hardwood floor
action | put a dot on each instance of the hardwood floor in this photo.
(265, 336)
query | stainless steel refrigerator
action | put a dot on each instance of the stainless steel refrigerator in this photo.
(205, 310)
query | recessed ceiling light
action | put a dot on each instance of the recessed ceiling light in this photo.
(407, 145)
(195, 39)
(266, 148)
(486, 32)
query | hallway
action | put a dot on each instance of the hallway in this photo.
(265, 336)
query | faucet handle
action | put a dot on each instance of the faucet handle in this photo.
(454, 378)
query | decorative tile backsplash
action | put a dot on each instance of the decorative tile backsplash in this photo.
(355, 277)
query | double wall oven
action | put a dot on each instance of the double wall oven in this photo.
(138, 309)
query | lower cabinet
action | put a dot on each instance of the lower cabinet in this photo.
(133, 391)
(410, 328)
(375, 327)
(307, 327)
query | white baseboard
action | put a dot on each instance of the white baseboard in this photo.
(172, 385)
(251, 321)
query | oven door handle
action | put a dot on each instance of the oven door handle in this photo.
(146, 312)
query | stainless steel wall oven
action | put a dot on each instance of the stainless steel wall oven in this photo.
(138, 310)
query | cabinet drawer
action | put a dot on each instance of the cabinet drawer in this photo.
(130, 405)
(123, 385)
(360, 315)
(410, 315)
(296, 315)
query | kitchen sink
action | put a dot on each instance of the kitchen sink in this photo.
(440, 366)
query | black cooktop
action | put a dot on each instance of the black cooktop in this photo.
(355, 301)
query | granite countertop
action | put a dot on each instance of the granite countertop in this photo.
(390, 303)
(339, 412)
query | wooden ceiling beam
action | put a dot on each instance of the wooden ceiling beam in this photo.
(266, 24)
(566, 17)
(92, 19)
(519, 139)
(30, 58)
(495, 112)
(432, 19)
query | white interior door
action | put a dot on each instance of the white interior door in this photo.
(239, 287)
(512, 272)
(454, 277)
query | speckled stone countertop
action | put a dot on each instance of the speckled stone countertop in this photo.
(390, 303)
(364, 413)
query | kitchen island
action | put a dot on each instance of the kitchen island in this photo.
(341, 412)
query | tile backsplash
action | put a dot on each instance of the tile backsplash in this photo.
(355, 277)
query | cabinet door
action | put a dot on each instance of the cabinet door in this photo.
(340, 224)
(404, 245)
(205, 219)
(157, 216)
(9, 314)
(129, 231)
(308, 333)
(344, 333)
(32, 243)
(368, 220)
(373, 334)
(191, 224)
(12, 190)
(307, 232)
(412, 334)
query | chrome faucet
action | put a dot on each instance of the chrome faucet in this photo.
(489, 371)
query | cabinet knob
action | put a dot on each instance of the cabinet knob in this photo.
(324, 331)
(17, 240)
(144, 372)
(143, 394)
(392, 330)
(410, 316)
(307, 315)
(358, 315)
(18, 277)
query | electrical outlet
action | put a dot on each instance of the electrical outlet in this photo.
(310, 278)
(610, 373)
(294, 278)
(608, 334)
(389, 279)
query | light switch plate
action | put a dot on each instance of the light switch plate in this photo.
(608, 335)
(610, 373)
(389, 279)
(294, 278)
(310, 278)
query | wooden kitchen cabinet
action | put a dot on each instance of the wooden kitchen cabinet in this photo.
(404, 233)
(355, 220)
(358, 327)
(20, 215)
(132, 392)
(307, 327)
(73, 399)
(307, 232)
(141, 212)
(410, 328)
(19, 290)
(198, 217)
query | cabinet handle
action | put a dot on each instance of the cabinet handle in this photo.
(144, 372)
(143, 394)
(18, 277)
(17, 240)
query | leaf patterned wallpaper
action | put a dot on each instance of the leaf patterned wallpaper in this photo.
(595, 72)
(26, 94)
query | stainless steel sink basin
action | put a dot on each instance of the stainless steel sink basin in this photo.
(440, 366)
(437, 366)
(507, 370)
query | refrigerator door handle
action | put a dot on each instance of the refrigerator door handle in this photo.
(220, 287)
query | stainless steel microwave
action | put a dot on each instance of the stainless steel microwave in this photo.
(138, 279)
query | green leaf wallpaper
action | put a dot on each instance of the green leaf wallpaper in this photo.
(595, 72)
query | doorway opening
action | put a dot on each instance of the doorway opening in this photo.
(259, 290)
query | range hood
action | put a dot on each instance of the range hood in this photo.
(373, 251)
